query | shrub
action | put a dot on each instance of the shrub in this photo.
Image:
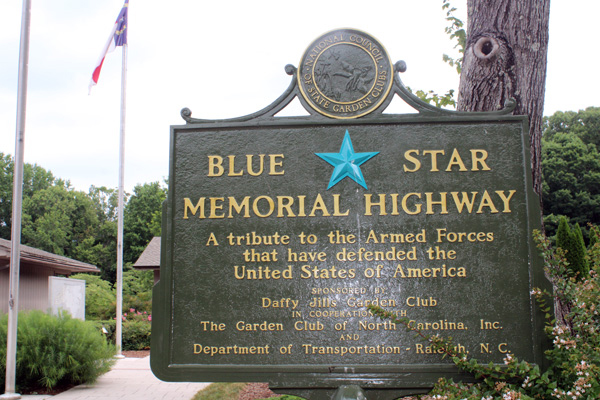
(136, 330)
(136, 335)
(594, 236)
(55, 351)
(137, 290)
(574, 360)
(100, 297)
(571, 240)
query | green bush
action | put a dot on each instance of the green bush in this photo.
(594, 237)
(571, 241)
(136, 330)
(137, 290)
(574, 359)
(100, 297)
(55, 351)
(136, 335)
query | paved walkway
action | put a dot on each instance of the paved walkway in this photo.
(129, 379)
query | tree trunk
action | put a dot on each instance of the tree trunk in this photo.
(505, 57)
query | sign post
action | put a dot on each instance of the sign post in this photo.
(278, 232)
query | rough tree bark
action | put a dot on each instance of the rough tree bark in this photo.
(505, 57)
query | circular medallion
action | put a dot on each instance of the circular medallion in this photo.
(345, 74)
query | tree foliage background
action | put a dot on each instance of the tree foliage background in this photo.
(571, 169)
(79, 225)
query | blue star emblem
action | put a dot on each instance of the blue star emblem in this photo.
(347, 163)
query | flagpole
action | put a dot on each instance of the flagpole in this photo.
(15, 253)
(119, 330)
(118, 37)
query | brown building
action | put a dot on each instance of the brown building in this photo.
(36, 267)
(150, 258)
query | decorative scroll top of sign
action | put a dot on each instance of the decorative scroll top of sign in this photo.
(345, 74)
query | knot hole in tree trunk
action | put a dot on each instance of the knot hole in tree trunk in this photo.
(486, 48)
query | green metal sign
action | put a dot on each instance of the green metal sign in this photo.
(278, 232)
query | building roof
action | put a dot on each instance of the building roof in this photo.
(43, 259)
(150, 258)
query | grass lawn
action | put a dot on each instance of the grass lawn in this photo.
(220, 391)
(229, 391)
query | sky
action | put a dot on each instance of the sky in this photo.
(221, 59)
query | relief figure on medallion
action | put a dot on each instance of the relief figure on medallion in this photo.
(347, 79)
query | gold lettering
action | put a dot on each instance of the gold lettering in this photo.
(506, 199)
(434, 154)
(442, 272)
(456, 160)
(270, 203)
(319, 205)
(465, 200)
(486, 201)
(235, 349)
(408, 156)
(188, 205)
(336, 207)
(213, 239)
(285, 203)
(380, 204)
(235, 206)
(261, 164)
(431, 203)
(232, 167)
(478, 157)
(418, 206)
(214, 207)
(215, 166)
(274, 163)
